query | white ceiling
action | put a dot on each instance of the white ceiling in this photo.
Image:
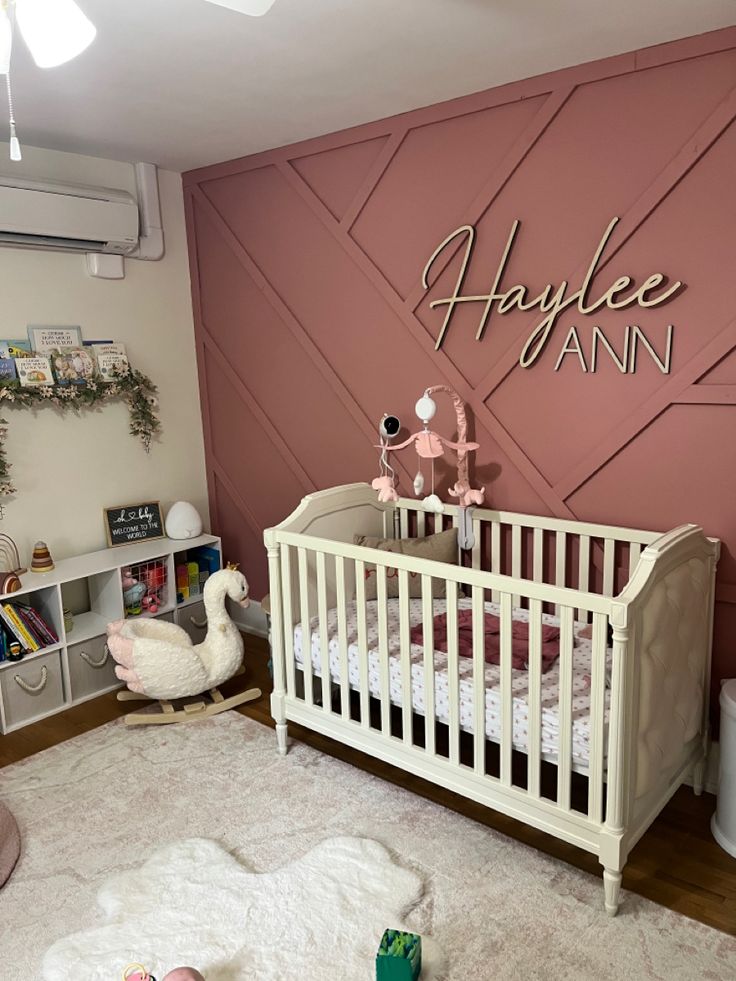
(185, 83)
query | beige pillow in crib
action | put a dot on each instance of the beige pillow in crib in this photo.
(441, 547)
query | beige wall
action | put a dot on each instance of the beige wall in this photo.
(67, 468)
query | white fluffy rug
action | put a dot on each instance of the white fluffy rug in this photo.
(103, 803)
(193, 903)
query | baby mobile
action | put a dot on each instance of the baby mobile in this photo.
(429, 445)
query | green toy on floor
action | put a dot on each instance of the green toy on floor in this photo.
(399, 956)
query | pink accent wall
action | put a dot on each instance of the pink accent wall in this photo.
(311, 320)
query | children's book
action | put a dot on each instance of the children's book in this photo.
(72, 366)
(37, 625)
(15, 629)
(111, 360)
(34, 371)
(8, 374)
(44, 340)
(18, 348)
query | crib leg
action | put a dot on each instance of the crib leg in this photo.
(612, 890)
(699, 777)
(278, 712)
(282, 738)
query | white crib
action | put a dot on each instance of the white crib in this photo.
(629, 721)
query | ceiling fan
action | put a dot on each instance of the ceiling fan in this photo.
(56, 31)
(254, 8)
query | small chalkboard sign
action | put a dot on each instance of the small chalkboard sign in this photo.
(127, 524)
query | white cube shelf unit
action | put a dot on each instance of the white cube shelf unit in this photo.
(90, 586)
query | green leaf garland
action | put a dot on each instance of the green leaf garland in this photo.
(134, 388)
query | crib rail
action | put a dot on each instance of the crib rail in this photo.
(393, 693)
(581, 555)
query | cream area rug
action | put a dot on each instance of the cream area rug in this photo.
(103, 803)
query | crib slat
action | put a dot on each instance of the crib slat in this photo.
(538, 566)
(634, 553)
(609, 555)
(405, 657)
(479, 682)
(534, 701)
(453, 687)
(428, 637)
(495, 555)
(342, 636)
(477, 543)
(597, 705)
(421, 524)
(362, 643)
(560, 562)
(404, 522)
(583, 570)
(383, 659)
(507, 694)
(324, 645)
(516, 557)
(288, 620)
(306, 628)
(564, 711)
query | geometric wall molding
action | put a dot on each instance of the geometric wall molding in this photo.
(312, 322)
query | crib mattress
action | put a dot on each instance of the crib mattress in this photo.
(520, 687)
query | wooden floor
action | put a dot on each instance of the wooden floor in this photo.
(677, 863)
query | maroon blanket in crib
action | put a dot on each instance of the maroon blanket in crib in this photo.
(492, 639)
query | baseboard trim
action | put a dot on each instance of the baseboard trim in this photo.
(251, 619)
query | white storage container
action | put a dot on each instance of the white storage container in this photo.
(723, 824)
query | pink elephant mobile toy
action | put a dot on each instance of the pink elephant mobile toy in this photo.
(429, 445)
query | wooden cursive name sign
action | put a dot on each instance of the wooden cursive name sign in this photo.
(551, 301)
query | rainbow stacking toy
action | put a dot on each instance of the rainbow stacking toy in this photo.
(399, 956)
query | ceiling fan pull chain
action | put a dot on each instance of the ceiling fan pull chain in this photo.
(15, 153)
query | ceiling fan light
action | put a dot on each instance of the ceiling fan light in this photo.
(6, 41)
(54, 30)
(254, 8)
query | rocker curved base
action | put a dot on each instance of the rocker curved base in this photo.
(203, 706)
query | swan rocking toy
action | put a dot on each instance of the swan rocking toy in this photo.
(157, 660)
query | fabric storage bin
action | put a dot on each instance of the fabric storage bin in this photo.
(91, 668)
(31, 688)
(189, 618)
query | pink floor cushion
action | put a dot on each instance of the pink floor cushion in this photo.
(9, 844)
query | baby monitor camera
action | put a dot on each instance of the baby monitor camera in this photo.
(389, 426)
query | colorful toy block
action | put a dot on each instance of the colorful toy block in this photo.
(399, 956)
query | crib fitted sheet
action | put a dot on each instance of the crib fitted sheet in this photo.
(520, 687)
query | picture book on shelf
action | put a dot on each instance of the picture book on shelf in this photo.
(111, 360)
(8, 374)
(18, 348)
(36, 625)
(43, 340)
(16, 628)
(72, 366)
(34, 371)
(26, 625)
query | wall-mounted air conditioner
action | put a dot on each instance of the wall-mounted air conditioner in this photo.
(68, 217)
